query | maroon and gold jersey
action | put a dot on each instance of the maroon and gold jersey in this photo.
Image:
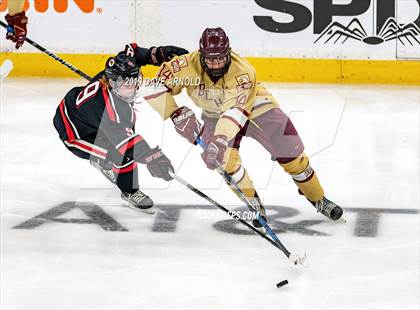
(234, 99)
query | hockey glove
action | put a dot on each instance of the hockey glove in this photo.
(161, 54)
(16, 30)
(186, 124)
(215, 152)
(158, 164)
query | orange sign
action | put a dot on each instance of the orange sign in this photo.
(60, 6)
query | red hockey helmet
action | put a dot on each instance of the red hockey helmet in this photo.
(214, 46)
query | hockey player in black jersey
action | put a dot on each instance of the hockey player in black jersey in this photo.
(96, 122)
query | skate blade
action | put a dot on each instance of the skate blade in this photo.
(151, 210)
(342, 220)
(261, 229)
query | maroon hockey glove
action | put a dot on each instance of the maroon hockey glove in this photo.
(161, 54)
(186, 124)
(16, 30)
(158, 164)
(216, 148)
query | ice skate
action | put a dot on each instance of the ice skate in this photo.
(257, 205)
(139, 201)
(328, 208)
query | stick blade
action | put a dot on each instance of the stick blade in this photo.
(298, 259)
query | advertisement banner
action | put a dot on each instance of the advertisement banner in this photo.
(76, 26)
(327, 41)
(344, 29)
(356, 29)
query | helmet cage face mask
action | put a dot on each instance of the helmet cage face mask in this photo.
(213, 72)
(125, 88)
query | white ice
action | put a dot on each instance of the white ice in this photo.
(363, 143)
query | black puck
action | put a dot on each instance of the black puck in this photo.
(280, 284)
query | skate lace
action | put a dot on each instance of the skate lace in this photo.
(137, 197)
(324, 206)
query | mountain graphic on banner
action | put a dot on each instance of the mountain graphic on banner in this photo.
(391, 30)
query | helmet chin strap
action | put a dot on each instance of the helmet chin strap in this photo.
(215, 74)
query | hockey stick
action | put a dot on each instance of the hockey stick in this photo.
(293, 257)
(54, 56)
(251, 206)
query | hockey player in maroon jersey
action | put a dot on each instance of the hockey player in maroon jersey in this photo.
(96, 122)
(235, 105)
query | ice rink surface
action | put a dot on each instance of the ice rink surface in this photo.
(68, 242)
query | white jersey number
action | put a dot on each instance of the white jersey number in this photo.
(88, 92)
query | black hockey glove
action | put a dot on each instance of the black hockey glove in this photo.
(158, 164)
(160, 54)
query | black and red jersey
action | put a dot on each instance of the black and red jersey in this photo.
(93, 110)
